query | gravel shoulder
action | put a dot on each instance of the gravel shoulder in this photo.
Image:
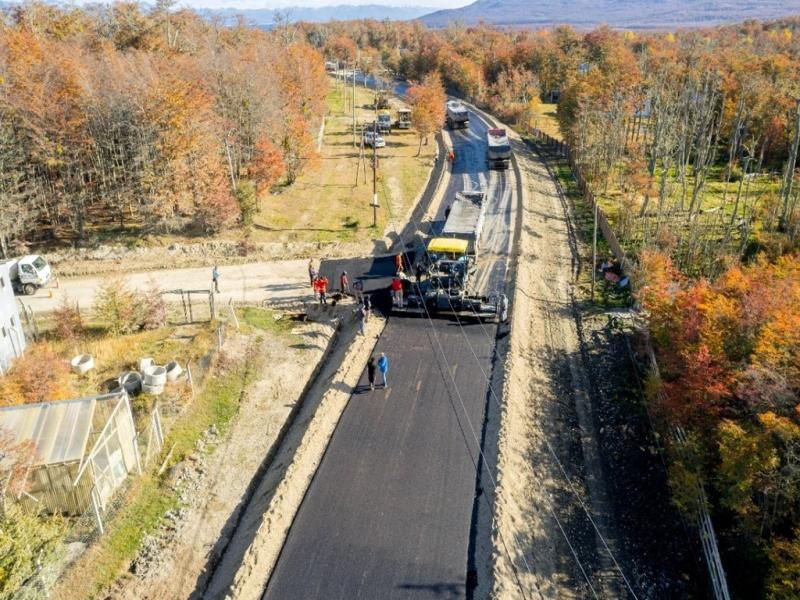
(548, 456)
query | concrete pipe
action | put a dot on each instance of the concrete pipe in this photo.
(153, 390)
(131, 381)
(155, 375)
(82, 364)
(144, 363)
(173, 370)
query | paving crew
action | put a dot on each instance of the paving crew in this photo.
(358, 287)
(215, 278)
(362, 318)
(312, 273)
(383, 367)
(367, 306)
(371, 372)
(321, 287)
(397, 292)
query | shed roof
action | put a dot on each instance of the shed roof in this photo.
(59, 430)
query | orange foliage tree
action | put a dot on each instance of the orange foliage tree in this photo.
(427, 107)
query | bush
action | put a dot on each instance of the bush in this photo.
(123, 310)
(246, 197)
(69, 326)
(26, 542)
(40, 375)
(116, 306)
(153, 309)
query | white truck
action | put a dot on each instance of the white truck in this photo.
(456, 115)
(28, 273)
(498, 151)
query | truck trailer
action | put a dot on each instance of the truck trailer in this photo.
(498, 151)
(28, 273)
(456, 115)
(465, 220)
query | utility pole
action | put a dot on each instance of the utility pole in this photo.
(354, 105)
(375, 169)
(786, 191)
(594, 249)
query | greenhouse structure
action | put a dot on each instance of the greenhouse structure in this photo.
(84, 450)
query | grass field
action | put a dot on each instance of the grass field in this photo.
(326, 204)
(547, 121)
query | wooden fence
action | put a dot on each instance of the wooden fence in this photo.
(562, 149)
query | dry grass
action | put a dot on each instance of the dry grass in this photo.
(547, 121)
(325, 204)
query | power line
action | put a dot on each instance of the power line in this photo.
(547, 442)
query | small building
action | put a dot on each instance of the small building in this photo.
(12, 337)
(83, 450)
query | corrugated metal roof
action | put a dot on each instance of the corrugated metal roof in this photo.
(59, 430)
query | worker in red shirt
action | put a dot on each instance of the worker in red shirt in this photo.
(397, 292)
(321, 287)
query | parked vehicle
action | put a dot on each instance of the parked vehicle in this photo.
(456, 115)
(374, 140)
(403, 118)
(28, 274)
(499, 149)
(384, 122)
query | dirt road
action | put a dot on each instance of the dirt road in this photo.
(552, 506)
(281, 281)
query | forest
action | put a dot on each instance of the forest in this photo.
(688, 140)
(119, 118)
(116, 118)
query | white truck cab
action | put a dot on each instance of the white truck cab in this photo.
(28, 273)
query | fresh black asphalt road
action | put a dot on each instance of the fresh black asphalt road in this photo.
(389, 510)
(388, 513)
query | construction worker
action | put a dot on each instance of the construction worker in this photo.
(398, 263)
(344, 283)
(312, 273)
(383, 367)
(321, 287)
(397, 292)
(215, 278)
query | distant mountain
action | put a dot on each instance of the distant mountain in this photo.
(264, 17)
(628, 14)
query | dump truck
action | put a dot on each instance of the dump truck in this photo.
(28, 273)
(381, 100)
(403, 118)
(498, 151)
(465, 220)
(456, 115)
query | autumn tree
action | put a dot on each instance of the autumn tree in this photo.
(427, 107)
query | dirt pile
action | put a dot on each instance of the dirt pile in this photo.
(104, 258)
